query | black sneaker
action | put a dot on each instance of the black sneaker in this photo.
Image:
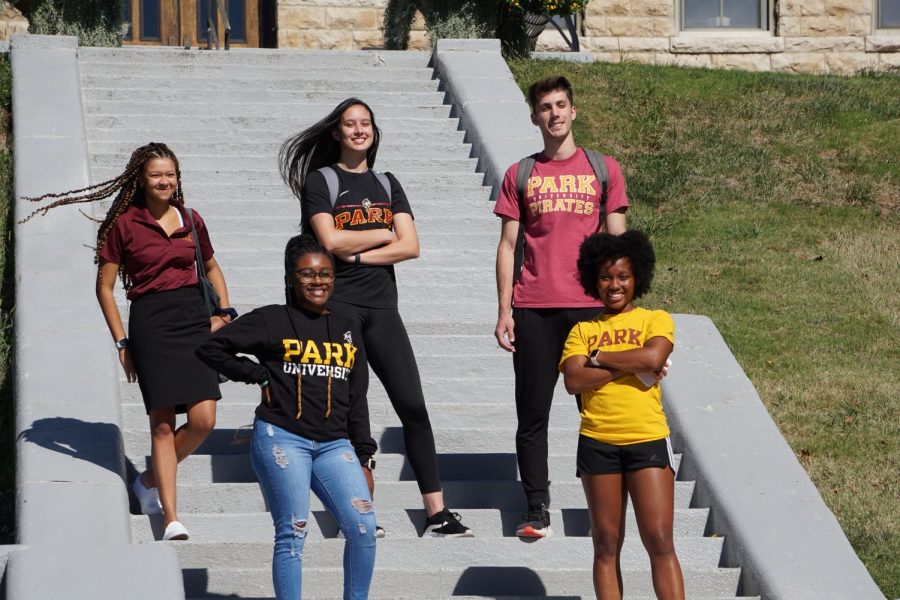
(536, 523)
(446, 524)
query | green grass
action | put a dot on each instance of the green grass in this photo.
(774, 205)
(7, 300)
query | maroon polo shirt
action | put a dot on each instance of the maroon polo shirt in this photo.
(154, 261)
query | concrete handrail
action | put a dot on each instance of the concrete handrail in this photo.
(71, 498)
(777, 528)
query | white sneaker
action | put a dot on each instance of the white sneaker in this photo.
(175, 531)
(379, 533)
(148, 498)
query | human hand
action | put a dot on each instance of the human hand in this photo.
(217, 322)
(127, 365)
(505, 333)
(370, 480)
(265, 394)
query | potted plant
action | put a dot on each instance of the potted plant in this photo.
(537, 13)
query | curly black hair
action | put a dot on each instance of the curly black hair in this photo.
(602, 247)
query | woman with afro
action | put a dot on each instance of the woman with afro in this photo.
(615, 362)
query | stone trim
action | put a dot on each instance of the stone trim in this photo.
(883, 43)
(726, 45)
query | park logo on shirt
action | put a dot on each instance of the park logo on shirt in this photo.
(561, 193)
(320, 359)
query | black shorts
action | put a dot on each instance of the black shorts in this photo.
(596, 458)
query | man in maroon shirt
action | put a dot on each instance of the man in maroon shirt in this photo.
(540, 304)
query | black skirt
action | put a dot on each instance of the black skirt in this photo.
(164, 329)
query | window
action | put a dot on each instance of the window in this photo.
(727, 14)
(126, 19)
(150, 20)
(237, 18)
(203, 16)
(888, 14)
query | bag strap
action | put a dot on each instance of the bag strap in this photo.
(598, 164)
(522, 176)
(201, 272)
(331, 180)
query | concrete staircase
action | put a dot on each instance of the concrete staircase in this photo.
(225, 116)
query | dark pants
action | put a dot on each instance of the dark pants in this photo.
(540, 336)
(391, 356)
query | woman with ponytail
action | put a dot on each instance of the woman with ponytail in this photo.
(147, 241)
(313, 381)
(364, 219)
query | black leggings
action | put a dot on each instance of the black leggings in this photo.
(391, 356)
(540, 336)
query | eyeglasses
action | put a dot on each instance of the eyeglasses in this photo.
(309, 276)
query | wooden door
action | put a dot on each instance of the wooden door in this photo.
(180, 22)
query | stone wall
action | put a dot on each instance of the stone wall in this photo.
(11, 21)
(809, 36)
(338, 25)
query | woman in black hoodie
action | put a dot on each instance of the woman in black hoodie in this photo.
(313, 379)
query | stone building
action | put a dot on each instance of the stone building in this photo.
(811, 36)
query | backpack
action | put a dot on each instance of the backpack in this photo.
(331, 180)
(598, 164)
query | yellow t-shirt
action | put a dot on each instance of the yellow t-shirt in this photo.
(623, 411)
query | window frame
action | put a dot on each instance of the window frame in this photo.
(767, 15)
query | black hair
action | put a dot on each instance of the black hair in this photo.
(127, 190)
(603, 247)
(297, 247)
(547, 85)
(315, 147)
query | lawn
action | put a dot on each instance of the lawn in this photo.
(773, 202)
(7, 301)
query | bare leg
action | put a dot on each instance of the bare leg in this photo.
(606, 499)
(201, 419)
(164, 458)
(434, 502)
(653, 494)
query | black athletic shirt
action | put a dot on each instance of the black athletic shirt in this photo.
(324, 354)
(362, 204)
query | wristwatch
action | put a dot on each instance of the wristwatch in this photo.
(123, 343)
(593, 358)
(229, 311)
(370, 464)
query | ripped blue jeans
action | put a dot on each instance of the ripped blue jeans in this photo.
(288, 466)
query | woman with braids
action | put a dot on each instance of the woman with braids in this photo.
(364, 218)
(313, 380)
(146, 240)
(615, 361)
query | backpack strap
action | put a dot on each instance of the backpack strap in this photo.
(522, 175)
(384, 181)
(598, 163)
(331, 180)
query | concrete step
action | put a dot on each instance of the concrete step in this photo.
(280, 221)
(499, 439)
(252, 177)
(476, 197)
(232, 498)
(433, 109)
(469, 566)
(256, 95)
(394, 130)
(229, 126)
(401, 524)
(267, 163)
(450, 146)
(236, 468)
(351, 83)
(366, 60)
(442, 393)
(241, 400)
